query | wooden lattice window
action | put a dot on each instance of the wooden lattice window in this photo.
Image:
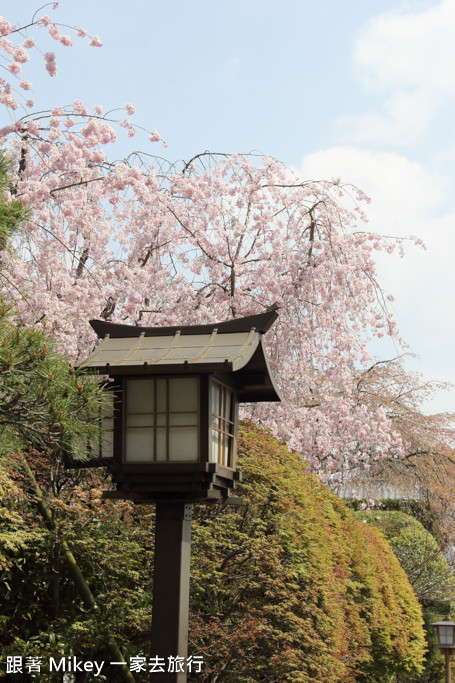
(162, 419)
(222, 424)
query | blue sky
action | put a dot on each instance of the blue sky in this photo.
(361, 90)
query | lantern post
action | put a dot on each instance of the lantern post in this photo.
(171, 440)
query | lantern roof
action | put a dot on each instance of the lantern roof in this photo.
(233, 346)
(261, 322)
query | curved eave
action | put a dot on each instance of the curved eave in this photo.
(251, 369)
(234, 347)
(215, 348)
(254, 385)
(261, 322)
(256, 381)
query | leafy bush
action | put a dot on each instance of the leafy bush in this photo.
(292, 587)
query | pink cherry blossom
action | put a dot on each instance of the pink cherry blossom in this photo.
(80, 108)
(7, 46)
(5, 27)
(45, 20)
(220, 237)
(21, 55)
(54, 32)
(51, 66)
(14, 67)
(95, 42)
(54, 134)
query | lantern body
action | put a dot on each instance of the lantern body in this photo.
(175, 420)
(168, 433)
(446, 634)
(171, 433)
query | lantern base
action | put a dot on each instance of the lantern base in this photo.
(135, 498)
(182, 482)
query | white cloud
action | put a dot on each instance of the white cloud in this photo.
(407, 199)
(406, 57)
(401, 49)
(404, 62)
(402, 121)
(403, 192)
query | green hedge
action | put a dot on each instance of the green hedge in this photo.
(292, 587)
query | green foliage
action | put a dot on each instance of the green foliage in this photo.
(419, 554)
(16, 532)
(292, 587)
(44, 402)
(427, 570)
(422, 511)
(43, 613)
(48, 412)
(12, 212)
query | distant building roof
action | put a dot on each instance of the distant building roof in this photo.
(371, 487)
